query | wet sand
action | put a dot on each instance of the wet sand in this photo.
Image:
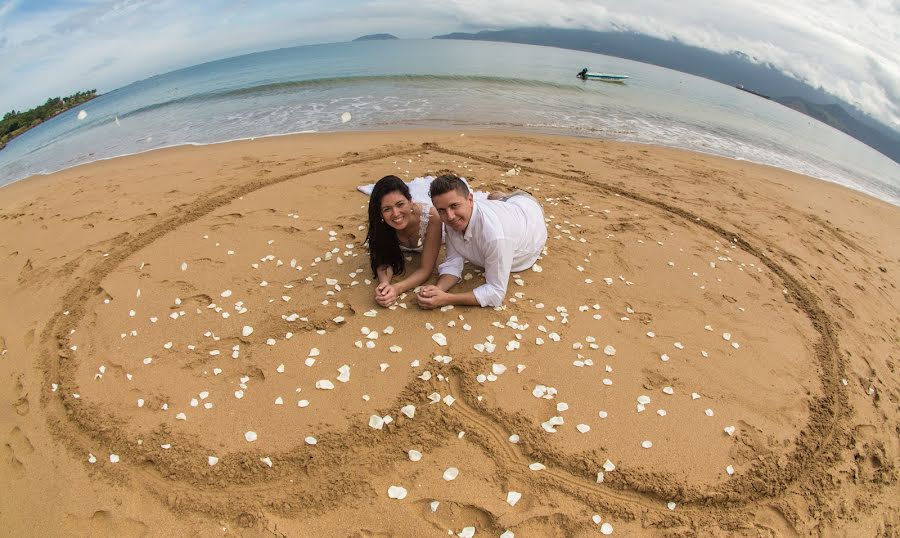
(708, 348)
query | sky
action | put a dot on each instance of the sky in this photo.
(57, 47)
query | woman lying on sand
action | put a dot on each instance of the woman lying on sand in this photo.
(397, 224)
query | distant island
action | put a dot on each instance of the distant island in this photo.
(734, 69)
(376, 37)
(15, 122)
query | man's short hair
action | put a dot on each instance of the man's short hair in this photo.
(446, 183)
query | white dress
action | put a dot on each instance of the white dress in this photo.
(418, 191)
(423, 227)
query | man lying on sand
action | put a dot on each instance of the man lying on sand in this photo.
(503, 234)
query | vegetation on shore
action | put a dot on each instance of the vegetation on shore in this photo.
(15, 122)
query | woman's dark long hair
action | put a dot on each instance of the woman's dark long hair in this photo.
(384, 247)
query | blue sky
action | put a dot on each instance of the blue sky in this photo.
(56, 47)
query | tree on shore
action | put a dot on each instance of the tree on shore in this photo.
(16, 122)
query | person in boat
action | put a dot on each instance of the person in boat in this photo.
(583, 73)
(398, 225)
(505, 233)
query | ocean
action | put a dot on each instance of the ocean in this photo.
(408, 84)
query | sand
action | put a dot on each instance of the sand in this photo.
(739, 320)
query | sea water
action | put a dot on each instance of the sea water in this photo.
(407, 84)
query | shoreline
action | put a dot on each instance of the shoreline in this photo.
(479, 129)
(766, 294)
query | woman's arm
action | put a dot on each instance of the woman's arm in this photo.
(385, 273)
(430, 251)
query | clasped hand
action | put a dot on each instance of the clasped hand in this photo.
(385, 294)
(431, 297)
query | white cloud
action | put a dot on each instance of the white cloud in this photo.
(844, 47)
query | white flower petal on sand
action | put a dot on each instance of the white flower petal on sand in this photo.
(668, 390)
(729, 470)
(726, 336)
(180, 416)
(376, 422)
(609, 350)
(324, 384)
(212, 460)
(314, 352)
(408, 410)
(451, 473)
(583, 428)
(395, 349)
(247, 330)
(396, 492)
(606, 529)
(311, 440)
(414, 455)
(647, 444)
(709, 412)
(609, 466)
(508, 534)
(267, 460)
(729, 430)
(344, 375)
(303, 403)
(114, 458)
(279, 401)
(467, 532)
(643, 399)
(280, 368)
(512, 497)
(695, 396)
(498, 369)
(226, 293)
(671, 506)
(449, 400)
(345, 117)
(596, 519)
(514, 438)
(439, 338)
(250, 436)
(537, 466)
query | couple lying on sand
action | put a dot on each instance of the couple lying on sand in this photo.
(501, 232)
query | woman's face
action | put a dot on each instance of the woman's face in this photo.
(396, 210)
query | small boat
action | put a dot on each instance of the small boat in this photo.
(584, 74)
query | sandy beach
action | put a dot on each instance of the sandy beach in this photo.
(190, 347)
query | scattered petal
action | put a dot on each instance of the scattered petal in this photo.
(451, 473)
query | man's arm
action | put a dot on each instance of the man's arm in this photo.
(498, 260)
(437, 296)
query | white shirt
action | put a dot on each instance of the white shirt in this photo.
(502, 237)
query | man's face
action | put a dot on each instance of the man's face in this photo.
(455, 210)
